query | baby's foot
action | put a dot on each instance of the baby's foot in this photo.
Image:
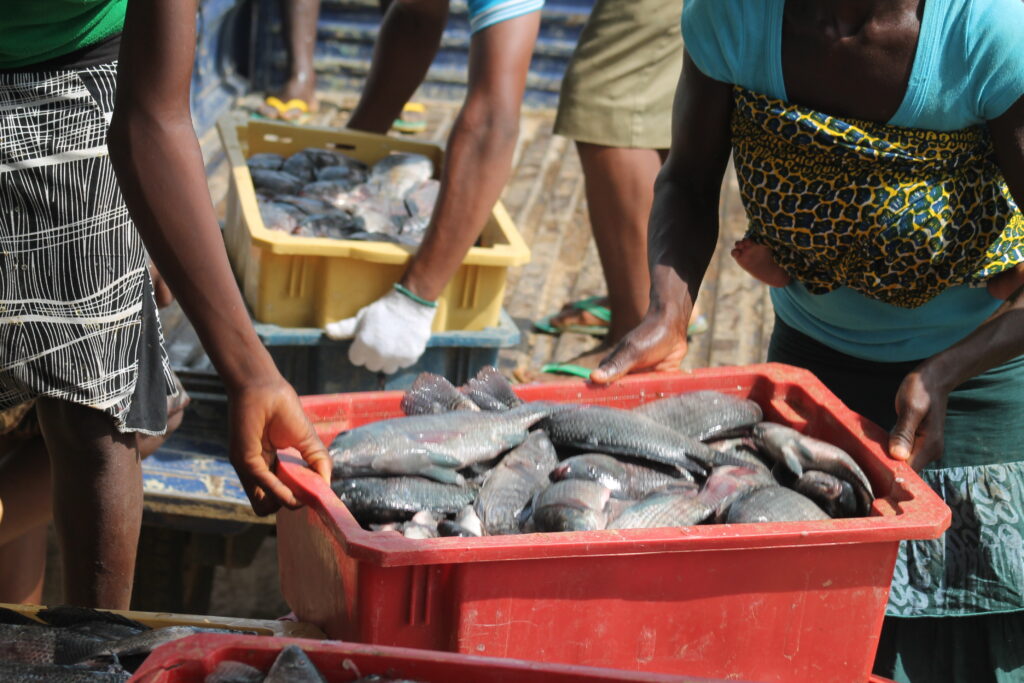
(757, 260)
(1006, 283)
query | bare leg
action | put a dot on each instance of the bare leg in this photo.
(408, 40)
(300, 17)
(758, 260)
(23, 568)
(97, 502)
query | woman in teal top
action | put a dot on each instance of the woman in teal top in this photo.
(879, 147)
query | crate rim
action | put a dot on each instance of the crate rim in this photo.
(514, 252)
(911, 510)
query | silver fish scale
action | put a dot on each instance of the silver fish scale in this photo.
(623, 432)
(51, 673)
(373, 499)
(773, 504)
(703, 415)
(511, 485)
(44, 645)
(661, 510)
(229, 671)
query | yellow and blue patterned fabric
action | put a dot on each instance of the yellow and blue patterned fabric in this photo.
(484, 13)
(896, 214)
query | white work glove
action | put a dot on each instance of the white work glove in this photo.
(390, 333)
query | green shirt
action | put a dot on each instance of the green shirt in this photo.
(39, 30)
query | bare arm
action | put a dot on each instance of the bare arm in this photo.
(156, 155)
(478, 159)
(921, 402)
(683, 228)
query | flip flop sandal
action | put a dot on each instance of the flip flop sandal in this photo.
(567, 369)
(412, 120)
(282, 108)
(588, 305)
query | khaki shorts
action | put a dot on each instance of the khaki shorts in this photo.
(620, 84)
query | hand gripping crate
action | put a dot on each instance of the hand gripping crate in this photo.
(309, 281)
(794, 602)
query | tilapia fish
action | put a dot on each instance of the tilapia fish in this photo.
(729, 483)
(674, 505)
(380, 500)
(432, 394)
(294, 666)
(513, 483)
(137, 647)
(37, 644)
(704, 415)
(832, 494)
(432, 446)
(799, 452)
(491, 391)
(623, 479)
(571, 505)
(52, 673)
(773, 504)
(91, 623)
(623, 432)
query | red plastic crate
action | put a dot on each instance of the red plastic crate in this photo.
(796, 601)
(190, 660)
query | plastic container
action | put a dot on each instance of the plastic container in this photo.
(307, 282)
(262, 627)
(798, 601)
(190, 660)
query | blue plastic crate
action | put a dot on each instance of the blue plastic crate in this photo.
(317, 365)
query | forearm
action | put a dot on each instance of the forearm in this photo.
(160, 171)
(477, 165)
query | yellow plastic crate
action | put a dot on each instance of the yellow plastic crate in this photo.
(308, 281)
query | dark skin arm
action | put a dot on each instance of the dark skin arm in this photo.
(921, 400)
(478, 158)
(683, 228)
(156, 156)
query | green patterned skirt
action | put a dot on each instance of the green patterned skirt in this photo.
(977, 567)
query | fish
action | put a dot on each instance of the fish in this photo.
(265, 161)
(669, 506)
(704, 415)
(294, 666)
(421, 532)
(832, 494)
(131, 651)
(10, 617)
(729, 483)
(571, 505)
(399, 173)
(447, 527)
(348, 172)
(468, 520)
(520, 475)
(230, 671)
(773, 504)
(432, 446)
(52, 673)
(91, 622)
(306, 206)
(491, 391)
(799, 452)
(623, 432)
(38, 644)
(623, 479)
(389, 499)
(432, 394)
(278, 216)
(275, 182)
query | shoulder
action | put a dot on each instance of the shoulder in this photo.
(993, 43)
(728, 38)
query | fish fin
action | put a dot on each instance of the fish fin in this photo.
(431, 394)
(445, 475)
(12, 618)
(443, 460)
(491, 391)
(69, 615)
(791, 460)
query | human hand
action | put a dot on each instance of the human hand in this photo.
(390, 333)
(264, 418)
(921, 401)
(658, 343)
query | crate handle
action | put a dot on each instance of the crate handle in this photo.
(339, 145)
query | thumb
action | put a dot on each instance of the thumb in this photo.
(343, 329)
(901, 438)
(618, 363)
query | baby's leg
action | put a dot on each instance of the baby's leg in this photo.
(1006, 283)
(758, 260)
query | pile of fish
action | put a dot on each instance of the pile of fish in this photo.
(77, 645)
(323, 193)
(291, 666)
(477, 461)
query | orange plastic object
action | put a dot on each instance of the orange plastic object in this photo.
(797, 601)
(191, 659)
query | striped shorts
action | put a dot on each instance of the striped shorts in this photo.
(484, 13)
(78, 320)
